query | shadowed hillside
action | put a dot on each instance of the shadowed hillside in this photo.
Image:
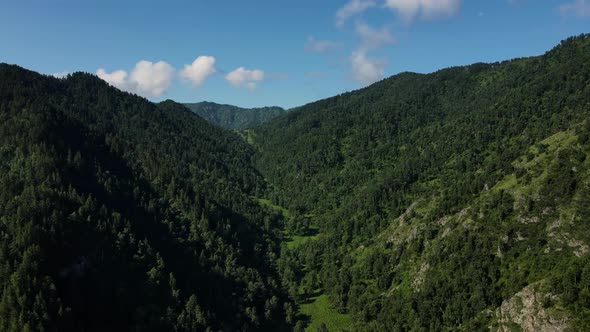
(118, 214)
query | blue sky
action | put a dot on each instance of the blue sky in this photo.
(286, 53)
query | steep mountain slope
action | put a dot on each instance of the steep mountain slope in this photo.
(117, 214)
(454, 200)
(458, 200)
(233, 117)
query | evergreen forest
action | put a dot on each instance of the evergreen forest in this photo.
(452, 201)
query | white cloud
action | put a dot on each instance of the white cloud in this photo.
(579, 8)
(152, 79)
(366, 70)
(243, 77)
(61, 74)
(373, 38)
(117, 78)
(410, 9)
(146, 79)
(319, 46)
(199, 70)
(353, 7)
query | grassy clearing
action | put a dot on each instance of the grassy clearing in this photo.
(266, 202)
(249, 136)
(507, 183)
(318, 311)
(292, 241)
(296, 240)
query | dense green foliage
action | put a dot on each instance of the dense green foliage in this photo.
(233, 117)
(117, 215)
(423, 202)
(438, 197)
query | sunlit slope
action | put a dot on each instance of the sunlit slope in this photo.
(442, 200)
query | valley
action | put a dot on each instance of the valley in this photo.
(456, 200)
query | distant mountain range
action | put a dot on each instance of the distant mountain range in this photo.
(234, 117)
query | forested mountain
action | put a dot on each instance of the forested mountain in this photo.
(117, 214)
(457, 200)
(233, 117)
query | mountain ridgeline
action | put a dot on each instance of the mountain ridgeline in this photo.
(233, 117)
(457, 200)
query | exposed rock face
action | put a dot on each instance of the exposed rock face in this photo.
(420, 276)
(581, 248)
(525, 309)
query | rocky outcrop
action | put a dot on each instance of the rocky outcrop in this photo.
(529, 310)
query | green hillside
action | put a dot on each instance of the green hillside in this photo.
(117, 214)
(233, 117)
(457, 200)
(452, 201)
